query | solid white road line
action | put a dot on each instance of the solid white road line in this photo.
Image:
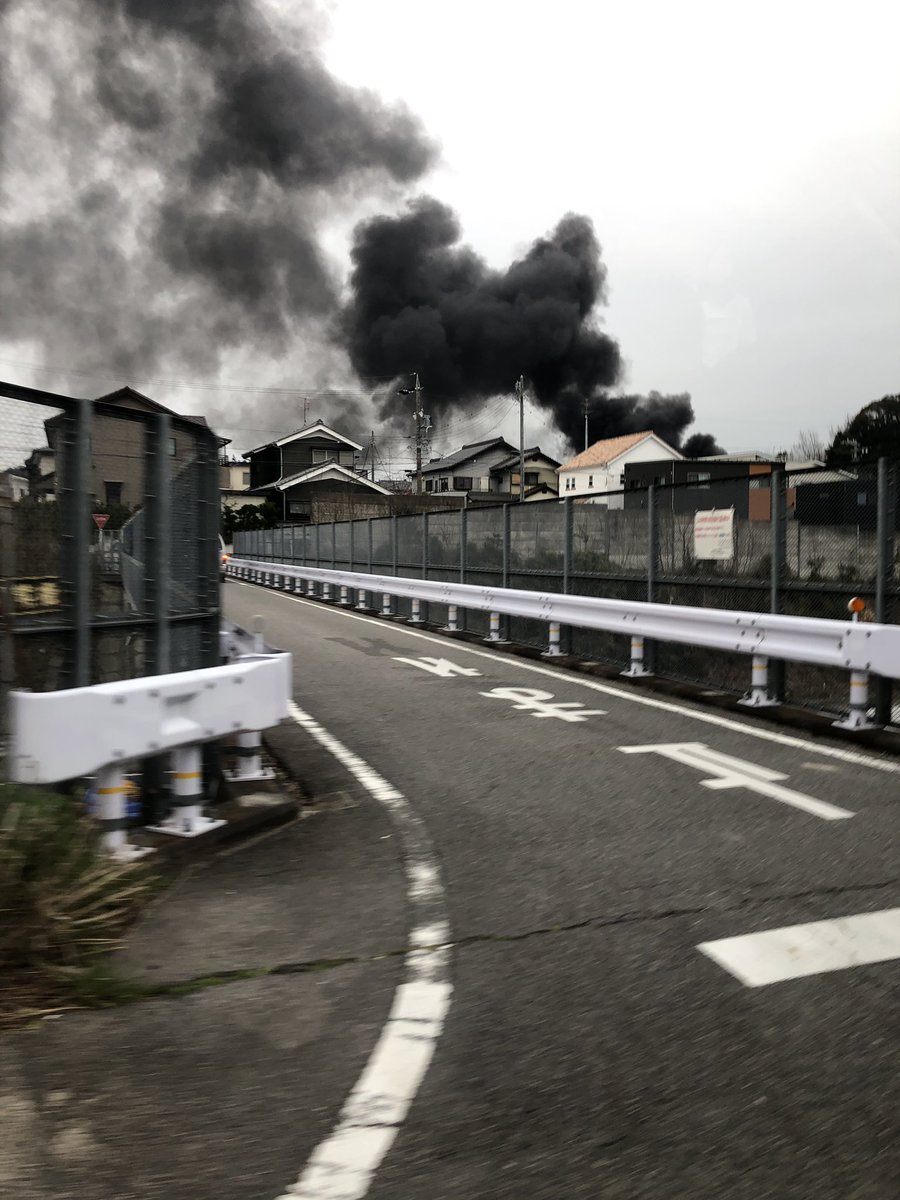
(342, 1167)
(797, 950)
(633, 697)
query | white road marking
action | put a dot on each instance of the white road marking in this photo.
(542, 704)
(730, 772)
(633, 697)
(775, 955)
(343, 1166)
(438, 666)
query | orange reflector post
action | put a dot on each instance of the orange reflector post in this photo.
(857, 605)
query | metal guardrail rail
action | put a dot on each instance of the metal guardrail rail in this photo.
(849, 645)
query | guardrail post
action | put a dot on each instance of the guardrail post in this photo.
(344, 600)
(187, 819)
(110, 790)
(386, 604)
(326, 592)
(884, 690)
(636, 668)
(758, 696)
(415, 618)
(553, 650)
(310, 587)
(858, 715)
(494, 629)
(248, 751)
(452, 625)
(779, 552)
(361, 604)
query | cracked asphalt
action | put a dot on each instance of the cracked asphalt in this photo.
(590, 1048)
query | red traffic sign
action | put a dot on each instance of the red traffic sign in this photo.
(100, 519)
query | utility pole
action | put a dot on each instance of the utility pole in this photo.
(416, 390)
(372, 456)
(520, 392)
(585, 422)
(305, 413)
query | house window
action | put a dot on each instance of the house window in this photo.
(531, 478)
(113, 492)
(759, 481)
(173, 447)
(462, 483)
(245, 478)
(443, 484)
(345, 458)
(861, 498)
(429, 485)
(296, 507)
(319, 456)
(590, 481)
(698, 479)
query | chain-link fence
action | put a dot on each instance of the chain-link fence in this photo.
(81, 604)
(799, 542)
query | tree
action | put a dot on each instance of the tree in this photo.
(248, 516)
(874, 432)
(808, 447)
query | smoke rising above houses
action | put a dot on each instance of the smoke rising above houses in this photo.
(168, 172)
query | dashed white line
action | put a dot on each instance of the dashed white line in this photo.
(633, 697)
(343, 1166)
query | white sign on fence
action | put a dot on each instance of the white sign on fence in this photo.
(714, 533)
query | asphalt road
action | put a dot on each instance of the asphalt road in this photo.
(591, 1049)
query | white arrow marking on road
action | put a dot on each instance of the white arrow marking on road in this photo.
(438, 666)
(735, 772)
(537, 702)
(797, 950)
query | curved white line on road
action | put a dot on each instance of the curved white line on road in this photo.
(633, 697)
(342, 1167)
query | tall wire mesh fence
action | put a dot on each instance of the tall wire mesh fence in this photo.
(109, 526)
(800, 542)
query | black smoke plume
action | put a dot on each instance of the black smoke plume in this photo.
(423, 301)
(194, 153)
(167, 169)
(700, 445)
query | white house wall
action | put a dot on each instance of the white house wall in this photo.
(608, 477)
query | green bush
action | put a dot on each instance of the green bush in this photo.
(63, 901)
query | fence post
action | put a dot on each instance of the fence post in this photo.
(333, 547)
(883, 574)
(643, 662)
(158, 518)
(394, 559)
(352, 549)
(318, 545)
(779, 550)
(463, 539)
(369, 524)
(425, 610)
(504, 565)
(75, 517)
(568, 547)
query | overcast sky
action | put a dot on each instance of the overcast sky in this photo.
(741, 162)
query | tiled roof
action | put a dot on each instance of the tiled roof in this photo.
(472, 450)
(604, 452)
(511, 463)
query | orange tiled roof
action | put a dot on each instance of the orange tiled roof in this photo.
(604, 452)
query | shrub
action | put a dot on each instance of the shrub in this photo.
(63, 901)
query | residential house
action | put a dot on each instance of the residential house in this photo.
(310, 476)
(40, 469)
(601, 468)
(118, 446)
(14, 484)
(467, 471)
(234, 483)
(540, 475)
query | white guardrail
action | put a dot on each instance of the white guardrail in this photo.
(859, 647)
(98, 730)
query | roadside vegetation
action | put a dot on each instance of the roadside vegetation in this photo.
(64, 904)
